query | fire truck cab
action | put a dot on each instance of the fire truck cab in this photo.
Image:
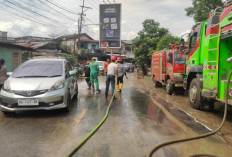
(168, 68)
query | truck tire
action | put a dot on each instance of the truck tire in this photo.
(169, 87)
(195, 98)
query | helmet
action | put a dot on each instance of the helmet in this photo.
(93, 58)
(113, 58)
(119, 59)
(87, 63)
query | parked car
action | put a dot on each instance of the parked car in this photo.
(129, 67)
(39, 84)
(101, 67)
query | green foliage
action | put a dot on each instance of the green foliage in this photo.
(201, 8)
(71, 58)
(25, 55)
(83, 54)
(166, 41)
(65, 47)
(146, 42)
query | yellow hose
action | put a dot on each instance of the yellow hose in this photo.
(96, 128)
(200, 136)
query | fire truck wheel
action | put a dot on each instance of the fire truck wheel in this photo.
(169, 87)
(195, 97)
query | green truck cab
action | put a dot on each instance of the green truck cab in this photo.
(207, 69)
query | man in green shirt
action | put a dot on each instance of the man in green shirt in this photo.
(94, 69)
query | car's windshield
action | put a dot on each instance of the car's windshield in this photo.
(179, 58)
(39, 69)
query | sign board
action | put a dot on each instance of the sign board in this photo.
(110, 26)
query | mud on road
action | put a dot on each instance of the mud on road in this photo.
(210, 119)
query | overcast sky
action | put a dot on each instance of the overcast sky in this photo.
(41, 18)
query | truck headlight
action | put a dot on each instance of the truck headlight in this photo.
(58, 85)
(6, 86)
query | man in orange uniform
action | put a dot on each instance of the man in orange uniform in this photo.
(106, 65)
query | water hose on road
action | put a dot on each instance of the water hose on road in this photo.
(200, 136)
(96, 128)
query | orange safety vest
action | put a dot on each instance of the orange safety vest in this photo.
(105, 66)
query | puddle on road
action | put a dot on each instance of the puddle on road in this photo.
(145, 108)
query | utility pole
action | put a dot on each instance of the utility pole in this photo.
(80, 21)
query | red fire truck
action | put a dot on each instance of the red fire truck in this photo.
(168, 68)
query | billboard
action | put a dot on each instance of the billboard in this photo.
(110, 26)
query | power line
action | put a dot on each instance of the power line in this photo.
(56, 10)
(35, 6)
(62, 7)
(29, 10)
(18, 15)
(92, 4)
(28, 16)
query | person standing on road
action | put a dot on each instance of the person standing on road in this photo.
(87, 75)
(106, 66)
(3, 71)
(111, 75)
(121, 73)
(94, 70)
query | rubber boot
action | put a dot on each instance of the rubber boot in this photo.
(121, 84)
(118, 88)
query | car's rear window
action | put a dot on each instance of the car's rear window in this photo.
(46, 68)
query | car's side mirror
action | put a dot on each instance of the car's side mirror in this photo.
(9, 73)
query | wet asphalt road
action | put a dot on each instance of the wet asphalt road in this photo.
(139, 119)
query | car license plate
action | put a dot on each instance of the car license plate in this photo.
(28, 102)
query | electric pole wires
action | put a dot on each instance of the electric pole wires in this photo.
(81, 22)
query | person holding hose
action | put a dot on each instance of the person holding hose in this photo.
(121, 73)
(111, 75)
(94, 69)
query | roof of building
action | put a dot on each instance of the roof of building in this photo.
(10, 45)
(33, 45)
(128, 42)
(35, 37)
(72, 36)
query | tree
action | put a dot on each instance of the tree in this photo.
(166, 41)
(146, 42)
(201, 9)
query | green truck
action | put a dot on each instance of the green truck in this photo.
(207, 69)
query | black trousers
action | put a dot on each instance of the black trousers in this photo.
(110, 80)
(120, 80)
(1, 86)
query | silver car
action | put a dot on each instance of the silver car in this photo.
(101, 67)
(39, 84)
